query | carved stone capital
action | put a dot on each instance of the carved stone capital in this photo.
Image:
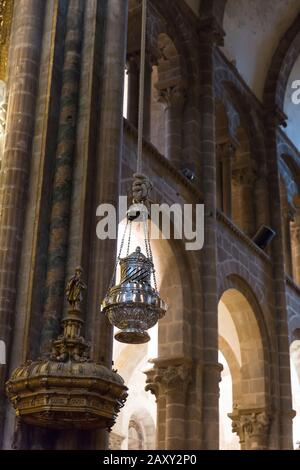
(172, 96)
(252, 427)
(168, 374)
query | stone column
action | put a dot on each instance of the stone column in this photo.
(295, 242)
(133, 71)
(210, 35)
(252, 427)
(62, 185)
(243, 209)
(169, 381)
(288, 217)
(133, 92)
(261, 198)
(226, 152)
(107, 183)
(173, 98)
(284, 402)
(24, 70)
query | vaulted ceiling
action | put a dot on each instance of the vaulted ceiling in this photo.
(253, 30)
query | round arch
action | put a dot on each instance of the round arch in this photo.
(243, 343)
(281, 66)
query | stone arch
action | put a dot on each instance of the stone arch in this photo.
(179, 288)
(247, 358)
(143, 419)
(234, 366)
(236, 278)
(281, 66)
(233, 276)
(249, 119)
(254, 385)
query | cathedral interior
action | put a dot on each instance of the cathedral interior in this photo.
(218, 112)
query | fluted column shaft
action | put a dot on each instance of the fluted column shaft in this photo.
(62, 185)
(261, 197)
(243, 210)
(24, 70)
(173, 98)
(209, 340)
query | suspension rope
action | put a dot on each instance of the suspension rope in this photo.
(141, 90)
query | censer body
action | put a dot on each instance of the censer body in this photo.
(134, 305)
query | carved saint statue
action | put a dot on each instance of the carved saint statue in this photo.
(74, 289)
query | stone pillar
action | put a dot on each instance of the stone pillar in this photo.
(210, 35)
(288, 217)
(243, 208)
(133, 71)
(24, 70)
(169, 381)
(252, 427)
(107, 183)
(173, 98)
(133, 92)
(226, 153)
(62, 184)
(261, 201)
(284, 393)
(295, 242)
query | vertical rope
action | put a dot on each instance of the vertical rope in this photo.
(141, 90)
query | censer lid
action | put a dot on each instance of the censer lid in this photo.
(136, 255)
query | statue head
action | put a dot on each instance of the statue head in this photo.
(78, 271)
(141, 187)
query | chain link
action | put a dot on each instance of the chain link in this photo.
(149, 251)
(118, 258)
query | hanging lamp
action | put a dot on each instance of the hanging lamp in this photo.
(134, 305)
